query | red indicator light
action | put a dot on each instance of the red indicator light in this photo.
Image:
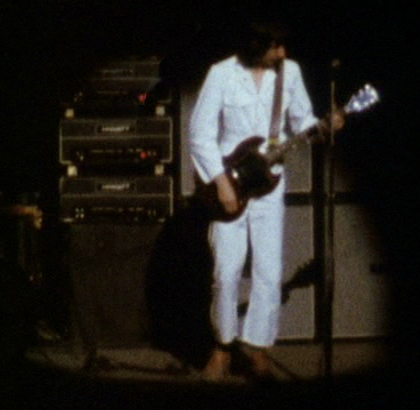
(142, 98)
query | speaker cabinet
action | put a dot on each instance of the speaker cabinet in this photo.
(361, 292)
(107, 265)
(297, 320)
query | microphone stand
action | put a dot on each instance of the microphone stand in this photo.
(329, 266)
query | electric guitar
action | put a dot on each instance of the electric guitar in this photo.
(249, 170)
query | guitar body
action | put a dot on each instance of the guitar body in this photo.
(249, 172)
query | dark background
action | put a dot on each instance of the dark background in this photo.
(48, 46)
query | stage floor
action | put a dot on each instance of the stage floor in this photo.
(52, 377)
(292, 361)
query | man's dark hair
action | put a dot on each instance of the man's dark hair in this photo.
(257, 40)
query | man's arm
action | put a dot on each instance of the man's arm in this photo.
(204, 128)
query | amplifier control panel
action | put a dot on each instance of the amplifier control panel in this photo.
(116, 141)
(116, 199)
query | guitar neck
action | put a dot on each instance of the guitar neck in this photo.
(365, 98)
(315, 133)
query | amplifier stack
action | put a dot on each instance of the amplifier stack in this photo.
(116, 143)
(117, 161)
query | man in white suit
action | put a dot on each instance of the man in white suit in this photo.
(235, 103)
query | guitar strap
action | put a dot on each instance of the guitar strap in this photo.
(274, 136)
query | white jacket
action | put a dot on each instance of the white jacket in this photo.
(229, 109)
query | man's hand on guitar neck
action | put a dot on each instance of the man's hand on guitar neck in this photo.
(333, 122)
(337, 120)
(226, 194)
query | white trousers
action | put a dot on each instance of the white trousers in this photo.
(260, 230)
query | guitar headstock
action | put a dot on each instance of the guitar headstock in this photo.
(362, 100)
